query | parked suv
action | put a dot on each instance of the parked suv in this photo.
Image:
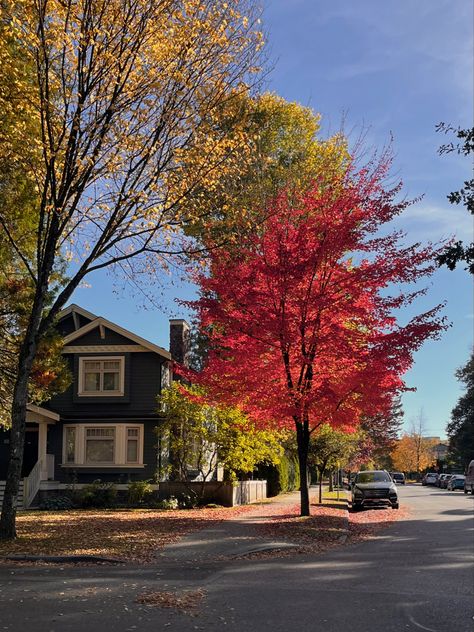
(374, 487)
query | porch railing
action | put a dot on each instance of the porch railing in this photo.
(32, 484)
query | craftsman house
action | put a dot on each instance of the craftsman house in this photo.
(103, 425)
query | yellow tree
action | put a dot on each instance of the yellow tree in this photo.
(284, 150)
(413, 453)
(116, 105)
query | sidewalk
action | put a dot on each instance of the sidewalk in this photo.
(239, 536)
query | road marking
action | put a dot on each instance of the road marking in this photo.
(419, 625)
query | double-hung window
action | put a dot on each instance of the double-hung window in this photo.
(101, 376)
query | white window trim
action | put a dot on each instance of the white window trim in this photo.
(120, 447)
(80, 387)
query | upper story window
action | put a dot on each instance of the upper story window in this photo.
(104, 376)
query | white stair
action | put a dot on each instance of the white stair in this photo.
(20, 501)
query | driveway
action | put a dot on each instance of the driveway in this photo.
(416, 575)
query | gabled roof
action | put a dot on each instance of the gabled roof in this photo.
(120, 330)
(38, 411)
(78, 310)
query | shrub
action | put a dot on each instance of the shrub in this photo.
(139, 492)
(188, 501)
(55, 503)
(98, 494)
(168, 503)
(284, 477)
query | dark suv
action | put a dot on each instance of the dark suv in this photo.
(374, 487)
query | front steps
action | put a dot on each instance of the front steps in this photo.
(20, 501)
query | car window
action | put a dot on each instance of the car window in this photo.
(372, 477)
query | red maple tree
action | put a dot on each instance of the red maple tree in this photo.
(301, 326)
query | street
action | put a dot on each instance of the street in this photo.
(416, 575)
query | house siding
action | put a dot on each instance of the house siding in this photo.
(138, 405)
(142, 386)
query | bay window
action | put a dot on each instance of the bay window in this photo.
(106, 445)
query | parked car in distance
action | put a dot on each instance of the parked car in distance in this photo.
(429, 479)
(441, 478)
(469, 482)
(398, 477)
(456, 482)
(445, 481)
(374, 487)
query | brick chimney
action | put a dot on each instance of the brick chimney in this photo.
(179, 341)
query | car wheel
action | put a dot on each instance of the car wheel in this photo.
(356, 506)
(466, 491)
(395, 506)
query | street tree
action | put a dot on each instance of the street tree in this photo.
(202, 437)
(330, 448)
(302, 328)
(122, 96)
(414, 452)
(460, 429)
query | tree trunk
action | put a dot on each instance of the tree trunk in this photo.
(17, 437)
(331, 480)
(19, 402)
(302, 438)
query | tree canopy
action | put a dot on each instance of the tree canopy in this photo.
(202, 437)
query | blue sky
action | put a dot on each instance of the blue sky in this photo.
(390, 69)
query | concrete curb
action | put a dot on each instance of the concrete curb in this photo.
(63, 559)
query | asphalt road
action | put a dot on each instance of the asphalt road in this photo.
(416, 575)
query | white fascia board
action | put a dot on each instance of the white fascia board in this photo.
(38, 410)
(79, 310)
(120, 330)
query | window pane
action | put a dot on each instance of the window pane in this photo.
(112, 366)
(132, 451)
(70, 445)
(92, 382)
(91, 365)
(111, 381)
(132, 432)
(100, 432)
(100, 450)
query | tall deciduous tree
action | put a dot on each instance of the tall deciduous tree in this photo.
(123, 95)
(413, 453)
(302, 329)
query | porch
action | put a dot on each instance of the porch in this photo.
(38, 465)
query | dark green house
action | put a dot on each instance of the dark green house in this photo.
(103, 425)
